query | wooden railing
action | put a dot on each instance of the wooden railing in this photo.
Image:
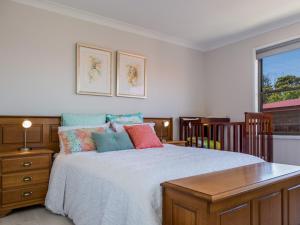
(254, 136)
(259, 138)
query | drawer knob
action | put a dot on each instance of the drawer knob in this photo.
(27, 194)
(27, 164)
(27, 179)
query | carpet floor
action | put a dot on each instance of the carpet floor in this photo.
(34, 216)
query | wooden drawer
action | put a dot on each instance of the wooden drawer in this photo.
(24, 194)
(25, 178)
(25, 163)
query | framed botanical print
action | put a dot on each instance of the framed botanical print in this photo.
(94, 70)
(131, 75)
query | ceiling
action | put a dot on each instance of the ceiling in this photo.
(201, 24)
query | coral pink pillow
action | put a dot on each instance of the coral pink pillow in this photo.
(143, 136)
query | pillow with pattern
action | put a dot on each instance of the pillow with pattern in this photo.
(125, 118)
(79, 140)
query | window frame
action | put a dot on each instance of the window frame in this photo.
(261, 94)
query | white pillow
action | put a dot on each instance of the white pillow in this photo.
(120, 127)
(66, 128)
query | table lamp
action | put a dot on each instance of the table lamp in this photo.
(165, 124)
(26, 124)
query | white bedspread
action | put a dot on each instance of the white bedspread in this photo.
(123, 188)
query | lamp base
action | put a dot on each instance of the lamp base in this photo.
(25, 149)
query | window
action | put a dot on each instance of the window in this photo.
(279, 85)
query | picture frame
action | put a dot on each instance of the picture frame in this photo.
(93, 70)
(131, 75)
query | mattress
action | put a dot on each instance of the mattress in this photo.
(123, 187)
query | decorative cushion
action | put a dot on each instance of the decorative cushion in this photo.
(126, 118)
(143, 136)
(75, 119)
(120, 127)
(78, 140)
(67, 128)
(106, 142)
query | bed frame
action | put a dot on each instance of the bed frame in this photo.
(43, 133)
(252, 136)
(258, 194)
(268, 194)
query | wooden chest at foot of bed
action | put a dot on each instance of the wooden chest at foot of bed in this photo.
(259, 194)
(24, 178)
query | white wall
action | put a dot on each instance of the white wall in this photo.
(37, 71)
(230, 84)
(287, 150)
(37, 67)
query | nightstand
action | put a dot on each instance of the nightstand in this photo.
(176, 142)
(24, 178)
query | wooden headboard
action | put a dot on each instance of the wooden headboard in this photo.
(167, 133)
(43, 133)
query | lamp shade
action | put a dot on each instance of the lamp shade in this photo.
(26, 124)
(166, 123)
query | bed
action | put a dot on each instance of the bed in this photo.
(123, 188)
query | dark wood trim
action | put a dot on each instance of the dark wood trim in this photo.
(245, 137)
(43, 133)
(183, 120)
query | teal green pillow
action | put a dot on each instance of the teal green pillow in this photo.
(125, 118)
(76, 119)
(106, 142)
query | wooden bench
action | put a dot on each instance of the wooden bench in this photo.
(259, 194)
